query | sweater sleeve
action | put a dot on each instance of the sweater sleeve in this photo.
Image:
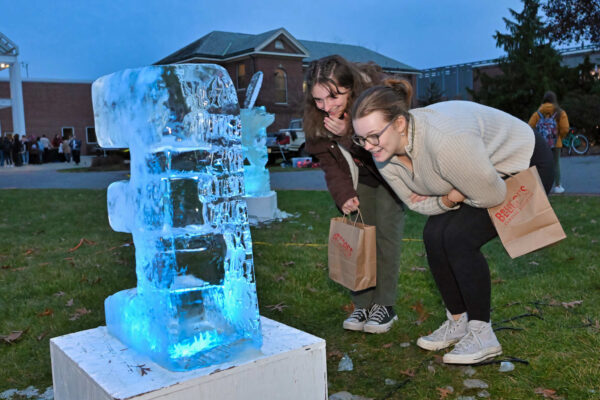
(339, 182)
(465, 164)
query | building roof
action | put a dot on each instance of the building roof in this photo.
(221, 46)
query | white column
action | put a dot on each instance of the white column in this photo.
(16, 95)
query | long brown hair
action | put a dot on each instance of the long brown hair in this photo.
(392, 99)
(550, 97)
(334, 72)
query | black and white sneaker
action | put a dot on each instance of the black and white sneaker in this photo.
(380, 319)
(356, 320)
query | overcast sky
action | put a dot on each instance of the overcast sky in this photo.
(85, 39)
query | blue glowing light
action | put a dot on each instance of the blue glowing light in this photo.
(195, 302)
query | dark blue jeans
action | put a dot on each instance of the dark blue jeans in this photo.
(453, 242)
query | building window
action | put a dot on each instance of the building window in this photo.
(279, 45)
(90, 134)
(280, 86)
(68, 132)
(241, 75)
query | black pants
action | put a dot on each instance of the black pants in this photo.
(453, 242)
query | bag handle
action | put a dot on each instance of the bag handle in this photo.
(358, 215)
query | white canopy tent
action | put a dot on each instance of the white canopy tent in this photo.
(9, 59)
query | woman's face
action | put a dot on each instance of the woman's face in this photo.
(334, 104)
(388, 133)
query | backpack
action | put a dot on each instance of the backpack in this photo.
(548, 128)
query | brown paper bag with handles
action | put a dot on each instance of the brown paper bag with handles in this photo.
(351, 252)
(525, 221)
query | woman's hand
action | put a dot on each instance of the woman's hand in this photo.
(455, 196)
(415, 198)
(350, 205)
(339, 127)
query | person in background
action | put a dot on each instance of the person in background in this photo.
(75, 149)
(45, 148)
(16, 151)
(448, 161)
(66, 150)
(25, 145)
(353, 180)
(558, 121)
(6, 148)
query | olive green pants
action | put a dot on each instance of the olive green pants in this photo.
(378, 207)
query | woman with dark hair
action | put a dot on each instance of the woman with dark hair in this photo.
(551, 109)
(448, 161)
(332, 84)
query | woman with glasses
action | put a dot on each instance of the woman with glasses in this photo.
(353, 180)
(447, 161)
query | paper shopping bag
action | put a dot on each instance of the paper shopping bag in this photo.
(525, 221)
(352, 254)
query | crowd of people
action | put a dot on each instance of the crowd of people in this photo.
(448, 161)
(17, 150)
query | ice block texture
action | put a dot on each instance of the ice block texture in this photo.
(195, 302)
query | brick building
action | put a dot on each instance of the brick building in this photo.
(65, 108)
(283, 60)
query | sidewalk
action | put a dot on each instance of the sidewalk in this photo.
(86, 161)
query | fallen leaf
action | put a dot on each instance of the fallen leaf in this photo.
(13, 336)
(43, 264)
(97, 280)
(28, 252)
(418, 269)
(387, 345)
(58, 294)
(572, 304)
(320, 265)
(279, 307)
(334, 353)
(498, 281)
(78, 313)
(547, 393)
(47, 312)
(348, 308)
(279, 278)
(69, 303)
(592, 221)
(81, 242)
(288, 263)
(5, 267)
(41, 336)
(534, 263)
(444, 392)
(420, 309)
(311, 289)
(408, 372)
(438, 358)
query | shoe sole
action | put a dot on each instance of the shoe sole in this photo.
(434, 346)
(353, 326)
(478, 357)
(379, 328)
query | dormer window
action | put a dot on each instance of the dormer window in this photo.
(279, 45)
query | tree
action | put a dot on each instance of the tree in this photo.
(573, 20)
(433, 95)
(530, 68)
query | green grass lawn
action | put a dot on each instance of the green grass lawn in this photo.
(53, 283)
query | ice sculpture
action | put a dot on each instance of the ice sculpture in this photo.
(254, 141)
(195, 303)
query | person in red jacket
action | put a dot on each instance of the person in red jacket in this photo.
(353, 180)
(548, 109)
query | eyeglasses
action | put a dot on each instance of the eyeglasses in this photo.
(373, 139)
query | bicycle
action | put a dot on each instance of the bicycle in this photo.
(575, 142)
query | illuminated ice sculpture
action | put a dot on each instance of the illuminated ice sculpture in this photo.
(195, 303)
(261, 200)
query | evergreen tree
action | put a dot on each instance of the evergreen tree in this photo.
(530, 68)
(432, 95)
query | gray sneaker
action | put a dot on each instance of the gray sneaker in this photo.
(356, 320)
(478, 345)
(446, 335)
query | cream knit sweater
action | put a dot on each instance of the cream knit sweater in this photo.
(461, 145)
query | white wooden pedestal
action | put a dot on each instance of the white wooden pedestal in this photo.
(93, 365)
